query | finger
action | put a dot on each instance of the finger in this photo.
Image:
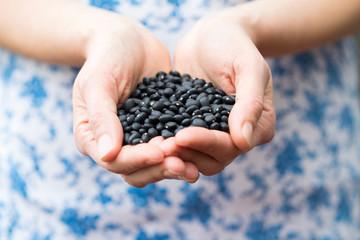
(100, 96)
(205, 164)
(170, 168)
(251, 79)
(208, 142)
(134, 158)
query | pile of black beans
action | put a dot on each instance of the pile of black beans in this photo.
(165, 104)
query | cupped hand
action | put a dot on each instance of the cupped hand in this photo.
(119, 54)
(220, 49)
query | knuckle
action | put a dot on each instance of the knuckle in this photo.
(213, 171)
(95, 119)
(257, 106)
(134, 183)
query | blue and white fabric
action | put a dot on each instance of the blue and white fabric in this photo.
(303, 185)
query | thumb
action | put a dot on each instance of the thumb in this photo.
(251, 79)
(100, 95)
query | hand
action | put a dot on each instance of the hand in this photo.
(119, 53)
(220, 50)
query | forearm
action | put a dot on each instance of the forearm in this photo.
(52, 31)
(286, 26)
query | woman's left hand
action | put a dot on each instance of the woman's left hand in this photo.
(221, 50)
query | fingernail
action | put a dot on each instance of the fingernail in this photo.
(247, 131)
(171, 174)
(187, 180)
(104, 145)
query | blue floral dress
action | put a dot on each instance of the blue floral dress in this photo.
(303, 185)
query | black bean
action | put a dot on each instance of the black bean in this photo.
(133, 136)
(186, 122)
(227, 107)
(175, 73)
(197, 112)
(142, 130)
(161, 75)
(206, 109)
(124, 124)
(136, 93)
(170, 125)
(184, 97)
(166, 133)
(218, 96)
(228, 100)
(186, 115)
(178, 118)
(127, 129)
(191, 102)
(155, 96)
(168, 92)
(192, 91)
(136, 141)
(173, 108)
(145, 137)
(210, 90)
(204, 101)
(166, 118)
(179, 104)
(210, 119)
(159, 126)
(191, 109)
(151, 91)
(153, 119)
(217, 101)
(178, 94)
(167, 104)
(130, 103)
(134, 109)
(215, 126)
(146, 81)
(145, 110)
(140, 118)
(199, 82)
(198, 122)
(185, 75)
(136, 126)
(224, 127)
(130, 119)
(160, 85)
(122, 118)
(156, 113)
(158, 105)
(211, 98)
(169, 112)
(224, 113)
(218, 116)
(121, 112)
(170, 85)
(152, 132)
(216, 108)
(181, 110)
(126, 138)
(224, 119)
(208, 85)
(148, 125)
(219, 91)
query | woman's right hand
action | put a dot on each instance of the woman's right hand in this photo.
(119, 53)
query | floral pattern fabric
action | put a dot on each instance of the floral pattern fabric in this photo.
(303, 185)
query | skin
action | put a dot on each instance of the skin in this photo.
(227, 48)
